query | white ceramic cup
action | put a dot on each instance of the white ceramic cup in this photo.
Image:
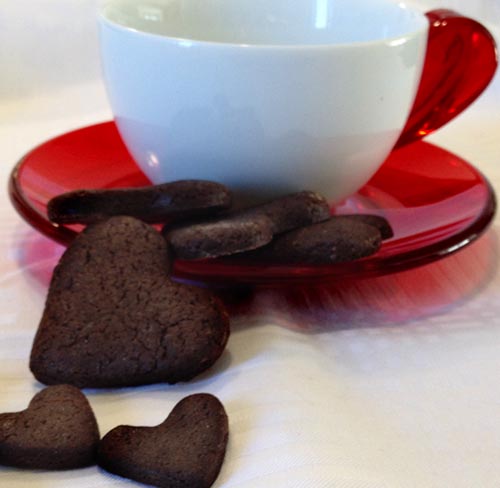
(266, 96)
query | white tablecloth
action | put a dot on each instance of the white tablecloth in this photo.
(389, 382)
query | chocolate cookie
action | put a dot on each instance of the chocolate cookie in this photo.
(57, 431)
(221, 237)
(159, 203)
(377, 221)
(186, 450)
(293, 211)
(336, 240)
(113, 317)
(246, 229)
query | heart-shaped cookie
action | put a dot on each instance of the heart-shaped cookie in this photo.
(186, 450)
(114, 318)
(58, 430)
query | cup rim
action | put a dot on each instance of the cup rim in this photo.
(191, 42)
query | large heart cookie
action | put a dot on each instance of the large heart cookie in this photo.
(113, 317)
(186, 450)
(58, 430)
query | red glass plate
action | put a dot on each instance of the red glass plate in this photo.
(436, 203)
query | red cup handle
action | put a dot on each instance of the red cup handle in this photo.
(461, 60)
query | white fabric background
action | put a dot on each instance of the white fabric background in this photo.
(389, 382)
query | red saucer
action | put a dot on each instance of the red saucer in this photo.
(436, 203)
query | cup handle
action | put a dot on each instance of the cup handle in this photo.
(461, 60)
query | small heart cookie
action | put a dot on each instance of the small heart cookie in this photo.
(57, 431)
(186, 450)
(114, 318)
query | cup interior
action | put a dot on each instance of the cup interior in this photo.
(268, 22)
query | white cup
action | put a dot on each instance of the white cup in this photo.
(266, 96)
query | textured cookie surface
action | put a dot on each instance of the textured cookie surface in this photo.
(293, 211)
(220, 237)
(246, 229)
(336, 240)
(57, 431)
(377, 221)
(114, 318)
(186, 450)
(158, 203)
